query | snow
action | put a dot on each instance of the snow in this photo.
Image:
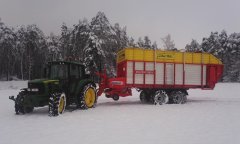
(209, 117)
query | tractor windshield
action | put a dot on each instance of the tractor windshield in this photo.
(58, 71)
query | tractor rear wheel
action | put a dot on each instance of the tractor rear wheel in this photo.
(57, 104)
(88, 97)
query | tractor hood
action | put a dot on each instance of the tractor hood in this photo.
(38, 86)
(45, 81)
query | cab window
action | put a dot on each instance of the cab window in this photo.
(74, 72)
(58, 71)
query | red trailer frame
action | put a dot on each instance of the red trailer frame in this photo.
(119, 86)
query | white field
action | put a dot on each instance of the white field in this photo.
(209, 117)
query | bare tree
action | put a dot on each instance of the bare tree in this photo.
(168, 43)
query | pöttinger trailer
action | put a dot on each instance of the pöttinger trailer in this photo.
(161, 76)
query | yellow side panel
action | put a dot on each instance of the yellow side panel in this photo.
(188, 57)
(165, 56)
(206, 59)
(139, 54)
(149, 55)
(178, 57)
(214, 60)
(128, 54)
(197, 58)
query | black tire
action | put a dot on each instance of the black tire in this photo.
(170, 100)
(19, 103)
(107, 96)
(184, 99)
(160, 97)
(178, 97)
(20, 108)
(115, 97)
(143, 97)
(57, 104)
(151, 97)
(28, 109)
(88, 97)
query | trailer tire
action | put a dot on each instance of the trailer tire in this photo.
(107, 96)
(178, 97)
(160, 97)
(57, 104)
(143, 97)
(115, 97)
(151, 97)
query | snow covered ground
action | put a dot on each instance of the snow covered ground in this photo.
(209, 117)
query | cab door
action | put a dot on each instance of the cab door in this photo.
(74, 78)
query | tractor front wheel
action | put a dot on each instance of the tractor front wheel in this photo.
(20, 108)
(57, 104)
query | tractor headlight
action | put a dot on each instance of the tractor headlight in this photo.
(35, 89)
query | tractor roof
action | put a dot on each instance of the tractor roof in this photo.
(65, 62)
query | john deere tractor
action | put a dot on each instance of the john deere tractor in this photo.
(66, 84)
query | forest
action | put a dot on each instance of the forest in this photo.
(25, 50)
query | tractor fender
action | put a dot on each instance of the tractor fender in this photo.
(81, 85)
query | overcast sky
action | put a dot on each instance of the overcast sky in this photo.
(183, 19)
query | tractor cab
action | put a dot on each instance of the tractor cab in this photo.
(67, 73)
(63, 70)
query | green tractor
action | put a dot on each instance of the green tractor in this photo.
(65, 84)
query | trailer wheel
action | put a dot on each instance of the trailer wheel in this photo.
(160, 97)
(143, 97)
(178, 97)
(107, 96)
(57, 104)
(115, 97)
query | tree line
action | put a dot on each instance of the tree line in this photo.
(226, 48)
(26, 49)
